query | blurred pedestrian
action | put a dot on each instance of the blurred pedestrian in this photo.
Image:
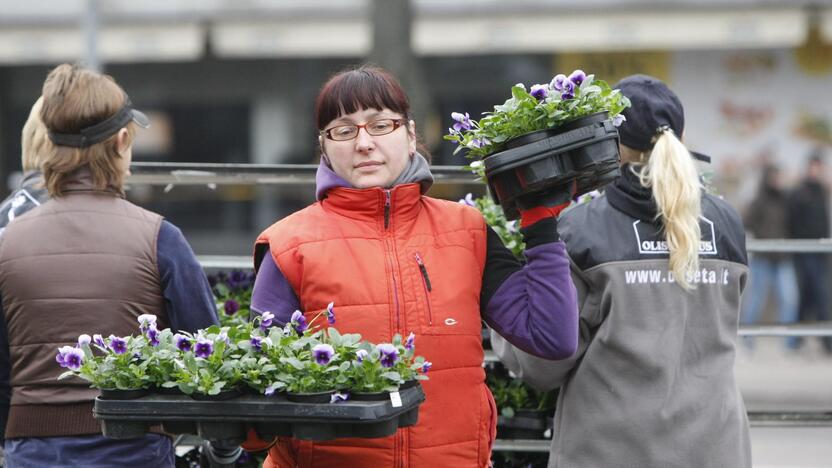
(767, 218)
(86, 261)
(660, 266)
(31, 192)
(809, 219)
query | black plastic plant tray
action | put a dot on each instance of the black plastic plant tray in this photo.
(270, 416)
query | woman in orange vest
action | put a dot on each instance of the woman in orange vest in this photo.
(396, 261)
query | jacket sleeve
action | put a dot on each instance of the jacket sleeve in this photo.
(544, 374)
(273, 293)
(188, 299)
(533, 306)
(5, 374)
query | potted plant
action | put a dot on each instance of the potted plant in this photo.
(208, 366)
(524, 411)
(117, 369)
(232, 293)
(550, 143)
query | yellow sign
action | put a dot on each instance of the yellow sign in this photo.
(612, 66)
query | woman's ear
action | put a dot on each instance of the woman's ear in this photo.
(411, 131)
(122, 140)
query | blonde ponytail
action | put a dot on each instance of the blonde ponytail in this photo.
(671, 173)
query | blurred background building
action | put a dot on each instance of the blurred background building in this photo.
(234, 81)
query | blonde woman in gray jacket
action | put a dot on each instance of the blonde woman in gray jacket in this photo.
(660, 266)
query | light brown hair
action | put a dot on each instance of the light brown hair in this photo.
(73, 99)
(34, 140)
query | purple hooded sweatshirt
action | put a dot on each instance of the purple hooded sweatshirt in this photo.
(533, 306)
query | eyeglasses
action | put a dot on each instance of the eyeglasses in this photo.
(374, 128)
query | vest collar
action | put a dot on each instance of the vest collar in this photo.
(81, 181)
(371, 204)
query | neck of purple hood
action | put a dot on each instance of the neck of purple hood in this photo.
(326, 179)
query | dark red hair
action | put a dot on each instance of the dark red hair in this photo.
(365, 87)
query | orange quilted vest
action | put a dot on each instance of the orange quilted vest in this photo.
(364, 250)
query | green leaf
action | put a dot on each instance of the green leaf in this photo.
(392, 375)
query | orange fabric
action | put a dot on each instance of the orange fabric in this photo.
(254, 443)
(340, 250)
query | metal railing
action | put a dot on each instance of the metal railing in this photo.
(257, 174)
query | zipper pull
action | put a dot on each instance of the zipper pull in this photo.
(386, 209)
(424, 271)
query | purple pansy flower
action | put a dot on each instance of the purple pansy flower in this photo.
(299, 322)
(426, 366)
(223, 336)
(231, 307)
(84, 340)
(478, 143)
(257, 343)
(557, 82)
(118, 344)
(339, 397)
(389, 354)
(99, 340)
(539, 92)
(360, 355)
(577, 77)
(322, 353)
(203, 348)
(270, 390)
(70, 357)
(468, 200)
(330, 313)
(146, 321)
(266, 320)
(462, 121)
(618, 120)
(237, 279)
(568, 91)
(153, 335)
(182, 342)
(408, 343)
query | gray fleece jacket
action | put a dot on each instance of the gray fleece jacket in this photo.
(652, 383)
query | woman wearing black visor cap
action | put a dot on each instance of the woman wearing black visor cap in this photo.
(85, 262)
(660, 266)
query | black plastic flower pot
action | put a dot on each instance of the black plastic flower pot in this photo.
(373, 396)
(313, 397)
(227, 431)
(408, 384)
(227, 421)
(221, 396)
(551, 163)
(167, 390)
(179, 427)
(410, 418)
(116, 394)
(525, 424)
(124, 429)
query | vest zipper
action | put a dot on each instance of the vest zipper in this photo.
(386, 209)
(392, 256)
(425, 284)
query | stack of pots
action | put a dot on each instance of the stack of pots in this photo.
(555, 165)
